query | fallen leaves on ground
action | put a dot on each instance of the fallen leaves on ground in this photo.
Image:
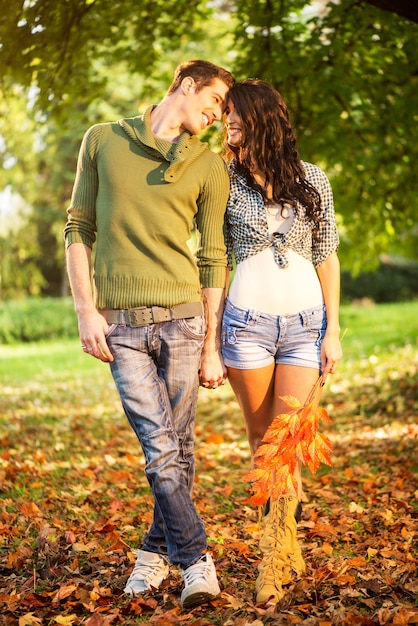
(75, 504)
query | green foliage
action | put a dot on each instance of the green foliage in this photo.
(36, 319)
(389, 283)
(349, 74)
(47, 104)
(55, 45)
(348, 70)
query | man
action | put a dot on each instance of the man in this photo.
(141, 184)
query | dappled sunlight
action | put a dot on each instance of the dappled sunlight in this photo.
(393, 431)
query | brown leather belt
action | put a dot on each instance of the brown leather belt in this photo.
(144, 315)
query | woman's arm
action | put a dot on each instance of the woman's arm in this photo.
(329, 276)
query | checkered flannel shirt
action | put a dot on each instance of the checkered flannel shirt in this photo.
(247, 231)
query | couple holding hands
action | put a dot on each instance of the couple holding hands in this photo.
(162, 317)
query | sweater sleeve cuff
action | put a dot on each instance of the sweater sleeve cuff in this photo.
(213, 277)
(76, 237)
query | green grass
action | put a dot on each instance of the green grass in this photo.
(378, 328)
(47, 360)
(36, 319)
(371, 330)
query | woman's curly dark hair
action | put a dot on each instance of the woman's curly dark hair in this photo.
(270, 148)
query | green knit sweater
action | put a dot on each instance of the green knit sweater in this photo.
(138, 197)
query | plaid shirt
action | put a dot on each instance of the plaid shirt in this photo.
(247, 231)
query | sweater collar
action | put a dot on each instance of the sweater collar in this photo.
(178, 154)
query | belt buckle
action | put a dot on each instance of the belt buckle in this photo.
(140, 316)
(159, 314)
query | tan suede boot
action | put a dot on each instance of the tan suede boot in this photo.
(282, 556)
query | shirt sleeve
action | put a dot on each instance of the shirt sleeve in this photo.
(327, 240)
(211, 252)
(81, 214)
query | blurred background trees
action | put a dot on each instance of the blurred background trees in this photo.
(348, 69)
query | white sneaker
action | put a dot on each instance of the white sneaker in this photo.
(200, 583)
(149, 571)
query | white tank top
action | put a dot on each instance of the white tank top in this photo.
(260, 284)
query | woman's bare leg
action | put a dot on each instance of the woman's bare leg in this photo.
(254, 390)
(259, 391)
(259, 394)
(293, 380)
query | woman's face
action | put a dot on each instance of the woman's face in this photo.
(233, 123)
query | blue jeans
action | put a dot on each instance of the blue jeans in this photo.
(155, 369)
(251, 339)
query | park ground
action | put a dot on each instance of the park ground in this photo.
(74, 502)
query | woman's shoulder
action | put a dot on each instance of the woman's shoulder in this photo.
(237, 181)
(316, 176)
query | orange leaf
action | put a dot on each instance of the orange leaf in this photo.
(284, 484)
(266, 454)
(285, 460)
(274, 434)
(64, 592)
(258, 499)
(256, 474)
(310, 417)
(294, 423)
(261, 490)
(30, 509)
(319, 452)
(291, 437)
(301, 452)
(291, 401)
(323, 415)
(261, 487)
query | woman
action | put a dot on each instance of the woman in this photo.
(281, 320)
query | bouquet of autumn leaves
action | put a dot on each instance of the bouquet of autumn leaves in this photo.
(291, 438)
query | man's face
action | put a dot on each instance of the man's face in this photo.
(205, 106)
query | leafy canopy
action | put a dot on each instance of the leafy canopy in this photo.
(348, 70)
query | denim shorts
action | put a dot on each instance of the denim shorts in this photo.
(251, 339)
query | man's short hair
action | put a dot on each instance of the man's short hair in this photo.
(203, 74)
